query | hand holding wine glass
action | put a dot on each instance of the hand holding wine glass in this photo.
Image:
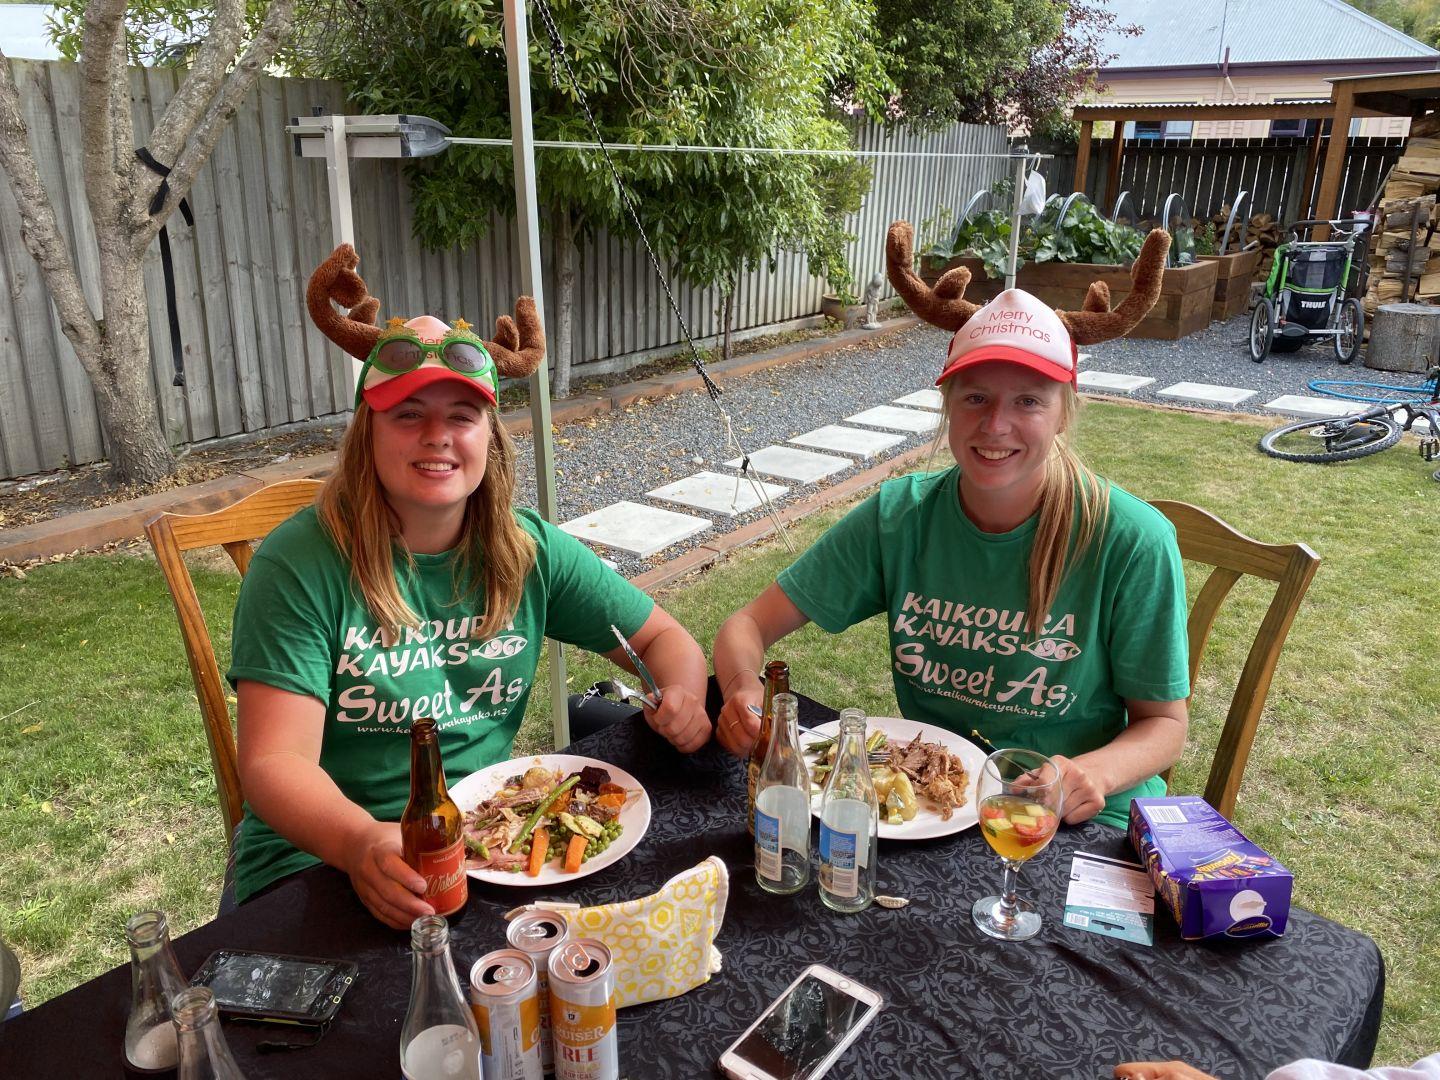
(1020, 797)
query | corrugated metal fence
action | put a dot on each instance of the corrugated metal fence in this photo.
(252, 359)
(1211, 173)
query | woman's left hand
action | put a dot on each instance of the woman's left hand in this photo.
(1159, 1070)
(1084, 790)
(680, 718)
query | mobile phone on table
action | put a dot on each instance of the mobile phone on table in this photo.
(275, 987)
(803, 1032)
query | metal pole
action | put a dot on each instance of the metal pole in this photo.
(1018, 194)
(522, 138)
(342, 221)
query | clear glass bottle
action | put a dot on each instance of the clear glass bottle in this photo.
(782, 807)
(777, 681)
(440, 1040)
(849, 823)
(204, 1054)
(154, 977)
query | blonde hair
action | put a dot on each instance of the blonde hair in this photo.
(493, 546)
(1064, 531)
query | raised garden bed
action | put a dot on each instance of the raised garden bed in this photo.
(1232, 285)
(1186, 292)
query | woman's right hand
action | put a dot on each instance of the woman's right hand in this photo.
(384, 881)
(739, 723)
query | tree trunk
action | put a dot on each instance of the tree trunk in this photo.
(124, 394)
(1404, 337)
(565, 221)
(729, 317)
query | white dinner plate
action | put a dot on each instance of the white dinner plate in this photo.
(634, 818)
(927, 822)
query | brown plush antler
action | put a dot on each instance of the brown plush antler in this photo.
(1095, 322)
(944, 305)
(518, 351)
(336, 280)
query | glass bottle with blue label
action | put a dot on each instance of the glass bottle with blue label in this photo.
(849, 823)
(782, 806)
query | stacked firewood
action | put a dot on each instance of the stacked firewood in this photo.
(1399, 267)
(1261, 227)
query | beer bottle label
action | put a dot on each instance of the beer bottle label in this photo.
(752, 779)
(445, 881)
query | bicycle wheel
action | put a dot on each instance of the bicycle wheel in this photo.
(1342, 438)
(1350, 321)
(1262, 329)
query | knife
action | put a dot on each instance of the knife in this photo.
(640, 669)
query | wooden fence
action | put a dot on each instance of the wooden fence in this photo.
(253, 360)
(1210, 173)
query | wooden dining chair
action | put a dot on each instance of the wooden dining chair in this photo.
(1206, 539)
(234, 528)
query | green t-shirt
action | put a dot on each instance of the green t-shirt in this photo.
(301, 625)
(962, 656)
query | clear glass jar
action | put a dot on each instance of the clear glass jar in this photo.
(150, 1044)
(849, 823)
(204, 1053)
(440, 1040)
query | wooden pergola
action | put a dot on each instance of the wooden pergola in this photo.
(1408, 94)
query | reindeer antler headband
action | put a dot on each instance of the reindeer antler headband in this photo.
(1042, 337)
(402, 357)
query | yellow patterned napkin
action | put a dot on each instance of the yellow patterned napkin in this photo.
(663, 944)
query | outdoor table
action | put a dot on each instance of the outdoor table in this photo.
(1067, 1004)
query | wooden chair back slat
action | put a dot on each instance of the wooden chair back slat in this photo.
(1204, 538)
(233, 528)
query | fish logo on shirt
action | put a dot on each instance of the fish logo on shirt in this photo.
(502, 645)
(1052, 648)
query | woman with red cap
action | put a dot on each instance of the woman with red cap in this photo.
(1026, 598)
(413, 589)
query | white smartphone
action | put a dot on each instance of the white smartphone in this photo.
(805, 1030)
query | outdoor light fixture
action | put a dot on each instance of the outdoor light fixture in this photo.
(396, 135)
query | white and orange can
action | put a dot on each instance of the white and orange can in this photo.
(538, 934)
(582, 1011)
(506, 1005)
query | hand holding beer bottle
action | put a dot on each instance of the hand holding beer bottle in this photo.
(430, 827)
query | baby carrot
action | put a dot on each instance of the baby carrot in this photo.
(575, 853)
(539, 850)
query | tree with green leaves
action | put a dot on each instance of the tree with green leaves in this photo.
(701, 72)
(128, 205)
(993, 61)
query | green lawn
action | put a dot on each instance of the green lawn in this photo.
(107, 802)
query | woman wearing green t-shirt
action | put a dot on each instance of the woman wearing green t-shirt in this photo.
(413, 589)
(1027, 598)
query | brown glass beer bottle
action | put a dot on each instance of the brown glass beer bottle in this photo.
(777, 681)
(430, 827)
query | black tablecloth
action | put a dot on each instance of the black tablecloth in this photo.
(1067, 1004)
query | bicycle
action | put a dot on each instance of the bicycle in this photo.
(1360, 434)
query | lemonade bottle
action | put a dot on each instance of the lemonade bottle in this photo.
(782, 807)
(849, 823)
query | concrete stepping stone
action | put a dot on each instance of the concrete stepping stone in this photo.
(719, 493)
(634, 527)
(887, 416)
(1113, 381)
(1207, 392)
(923, 399)
(1317, 408)
(788, 463)
(848, 440)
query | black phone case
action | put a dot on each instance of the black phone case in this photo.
(322, 1008)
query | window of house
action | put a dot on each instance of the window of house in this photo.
(1159, 129)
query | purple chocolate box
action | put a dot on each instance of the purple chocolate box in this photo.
(1215, 882)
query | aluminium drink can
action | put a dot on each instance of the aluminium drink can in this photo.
(582, 1011)
(538, 934)
(507, 1009)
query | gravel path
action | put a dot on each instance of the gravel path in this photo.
(622, 455)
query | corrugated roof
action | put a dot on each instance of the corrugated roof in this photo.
(1195, 33)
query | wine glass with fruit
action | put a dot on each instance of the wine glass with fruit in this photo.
(1019, 797)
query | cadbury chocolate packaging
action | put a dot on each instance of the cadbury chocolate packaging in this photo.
(1214, 881)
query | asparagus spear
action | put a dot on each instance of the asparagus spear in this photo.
(540, 811)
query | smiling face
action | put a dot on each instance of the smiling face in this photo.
(1004, 419)
(431, 451)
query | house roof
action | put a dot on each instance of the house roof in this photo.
(1196, 33)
